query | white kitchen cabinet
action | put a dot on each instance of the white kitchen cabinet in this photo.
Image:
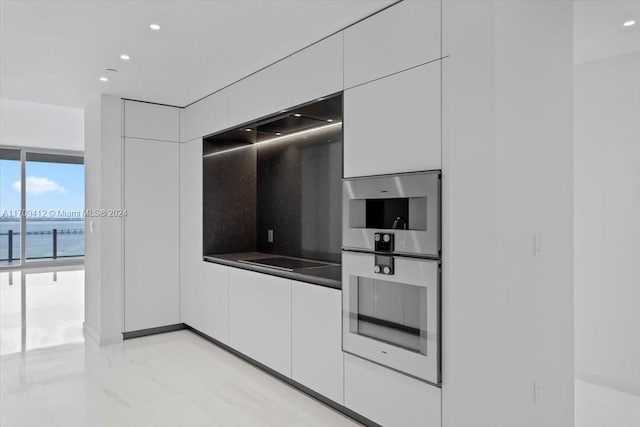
(392, 125)
(388, 397)
(215, 301)
(191, 233)
(260, 318)
(317, 70)
(317, 360)
(400, 37)
(151, 121)
(207, 116)
(265, 92)
(151, 238)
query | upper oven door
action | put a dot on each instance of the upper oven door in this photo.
(391, 312)
(405, 207)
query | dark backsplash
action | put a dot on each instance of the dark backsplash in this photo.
(292, 187)
(299, 197)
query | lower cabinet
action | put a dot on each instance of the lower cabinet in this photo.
(260, 318)
(388, 397)
(316, 327)
(215, 301)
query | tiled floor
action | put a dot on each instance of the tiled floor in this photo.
(50, 377)
(51, 312)
(598, 406)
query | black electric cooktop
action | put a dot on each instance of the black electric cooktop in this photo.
(283, 263)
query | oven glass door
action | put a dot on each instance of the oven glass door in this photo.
(393, 319)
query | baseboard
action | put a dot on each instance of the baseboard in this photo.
(608, 382)
(153, 331)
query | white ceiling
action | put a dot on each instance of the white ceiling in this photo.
(598, 31)
(53, 51)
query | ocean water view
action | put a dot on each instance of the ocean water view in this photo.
(39, 238)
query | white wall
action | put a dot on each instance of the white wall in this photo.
(507, 176)
(26, 124)
(607, 226)
(103, 239)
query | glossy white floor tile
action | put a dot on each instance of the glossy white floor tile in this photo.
(174, 379)
(598, 406)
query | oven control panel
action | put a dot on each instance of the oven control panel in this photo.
(383, 242)
(383, 264)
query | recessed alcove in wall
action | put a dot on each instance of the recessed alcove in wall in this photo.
(275, 185)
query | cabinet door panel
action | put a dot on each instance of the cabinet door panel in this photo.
(151, 121)
(400, 37)
(392, 125)
(215, 301)
(388, 397)
(207, 116)
(260, 94)
(317, 339)
(151, 234)
(191, 233)
(317, 70)
(260, 318)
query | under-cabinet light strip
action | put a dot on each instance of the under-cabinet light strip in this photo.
(279, 138)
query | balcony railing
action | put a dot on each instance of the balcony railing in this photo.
(65, 243)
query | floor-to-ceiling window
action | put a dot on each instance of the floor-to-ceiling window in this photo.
(41, 207)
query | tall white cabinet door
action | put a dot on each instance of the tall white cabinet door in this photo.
(151, 252)
(400, 37)
(215, 301)
(317, 360)
(260, 318)
(392, 125)
(191, 233)
(151, 121)
(265, 92)
(317, 70)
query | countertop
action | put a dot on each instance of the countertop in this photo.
(330, 276)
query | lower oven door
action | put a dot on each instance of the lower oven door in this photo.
(390, 307)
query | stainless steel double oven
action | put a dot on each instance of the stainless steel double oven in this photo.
(391, 271)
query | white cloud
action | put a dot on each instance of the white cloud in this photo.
(37, 185)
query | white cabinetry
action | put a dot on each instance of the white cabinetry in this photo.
(317, 360)
(388, 397)
(205, 117)
(151, 243)
(191, 233)
(393, 124)
(400, 37)
(317, 70)
(260, 318)
(215, 301)
(151, 121)
(260, 94)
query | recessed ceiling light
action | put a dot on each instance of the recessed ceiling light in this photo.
(125, 57)
(278, 133)
(104, 79)
(247, 130)
(629, 23)
(154, 27)
(329, 120)
(297, 115)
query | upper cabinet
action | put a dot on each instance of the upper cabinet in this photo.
(206, 116)
(317, 70)
(151, 121)
(400, 37)
(392, 125)
(262, 93)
